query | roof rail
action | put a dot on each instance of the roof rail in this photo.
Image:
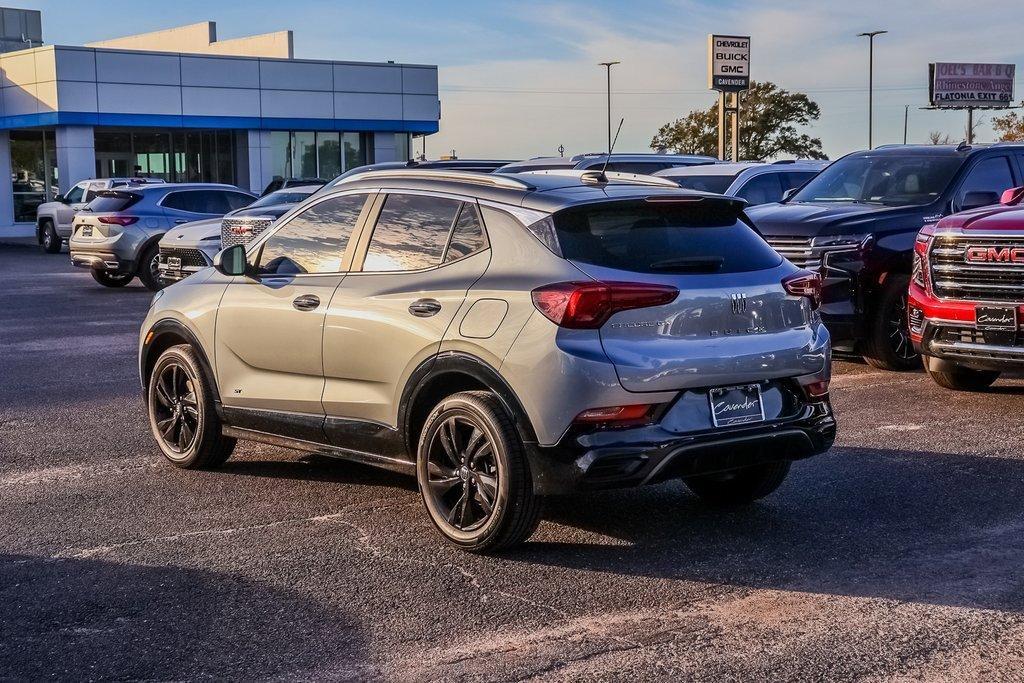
(492, 179)
(594, 176)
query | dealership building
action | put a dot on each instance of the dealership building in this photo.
(181, 105)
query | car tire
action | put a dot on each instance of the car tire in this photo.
(473, 474)
(148, 270)
(888, 346)
(182, 416)
(738, 487)
(49, 240)
(108, 279)
(964, 379)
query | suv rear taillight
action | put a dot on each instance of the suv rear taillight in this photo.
(588, 305)
(118, 220)
(804, 283)
(919, 269)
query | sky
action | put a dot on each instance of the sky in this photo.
(519, 79)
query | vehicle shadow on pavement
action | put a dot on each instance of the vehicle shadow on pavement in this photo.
(84, 619)
(312, 467)
(910, 526)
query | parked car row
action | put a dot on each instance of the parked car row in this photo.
(505, 332)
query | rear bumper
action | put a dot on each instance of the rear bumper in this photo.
(651, 454)
(101, 260)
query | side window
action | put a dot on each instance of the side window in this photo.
(411, 233)
(988, 175)
(237, 200)
(180, 201)
(313, 241)
(761, 189)
(792, 180)
(467, 236)
(75, 194)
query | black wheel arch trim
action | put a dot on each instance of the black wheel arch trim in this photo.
(169, 326)
(460, 362)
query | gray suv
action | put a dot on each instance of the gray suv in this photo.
(502, 338)
(116, 236)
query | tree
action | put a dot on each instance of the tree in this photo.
(769, 117)
(938, 138)
(1009, 128)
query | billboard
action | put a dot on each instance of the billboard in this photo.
(956, 85)
(728, 63)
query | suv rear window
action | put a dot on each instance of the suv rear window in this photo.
(113, 201)
(669, 237)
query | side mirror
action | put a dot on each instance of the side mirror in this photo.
(978, 199)
(231, 261)
(1012, 196)
(789, 194)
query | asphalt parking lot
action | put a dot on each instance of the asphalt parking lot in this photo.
(898, 555)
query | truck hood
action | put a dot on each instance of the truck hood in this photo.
(192, 234)
(810, 219)
(996, 218)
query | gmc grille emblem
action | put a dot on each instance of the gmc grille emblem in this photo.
(240, 229)
(739, 303)
(995, 254)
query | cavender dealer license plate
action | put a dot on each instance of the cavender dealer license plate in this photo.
(995, 317)
(736, 405)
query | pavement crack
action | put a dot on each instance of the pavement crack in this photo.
(81, 553)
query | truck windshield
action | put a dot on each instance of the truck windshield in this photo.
(887, 179)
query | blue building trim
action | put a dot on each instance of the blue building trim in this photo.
(75, 118)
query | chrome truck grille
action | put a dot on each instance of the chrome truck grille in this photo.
(190, 258)
(798, 250)
(978, 268)
(242, 229)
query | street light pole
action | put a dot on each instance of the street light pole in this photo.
(870, 35)
(608, 68)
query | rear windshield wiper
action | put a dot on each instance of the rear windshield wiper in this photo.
(688, 264)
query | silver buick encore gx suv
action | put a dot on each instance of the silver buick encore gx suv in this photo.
(503, 338)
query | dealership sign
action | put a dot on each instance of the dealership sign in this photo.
(959, 85)
(728, 63)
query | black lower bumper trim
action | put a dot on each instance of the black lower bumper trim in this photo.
(568, 467)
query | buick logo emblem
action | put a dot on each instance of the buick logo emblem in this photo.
(739, 303)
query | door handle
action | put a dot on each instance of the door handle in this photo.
(306, 302)
(179, 221)
(424, 308)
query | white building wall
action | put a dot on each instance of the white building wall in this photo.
(261, 161)
(6, 193)
(384, 148)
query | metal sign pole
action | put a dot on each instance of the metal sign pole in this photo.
(970, 125)
(736, 127)
(721, 126)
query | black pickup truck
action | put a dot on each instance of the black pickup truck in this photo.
(856, 223)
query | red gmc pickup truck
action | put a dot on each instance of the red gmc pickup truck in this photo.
(966, 300)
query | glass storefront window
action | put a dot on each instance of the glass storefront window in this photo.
(28, 173)
(304, 148)
(403, 147)
(152, 155)
(281, 154)
(329, 152)
(354, 150)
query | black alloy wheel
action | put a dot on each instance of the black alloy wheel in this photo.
(462, 475)
(888, 345)
(176, 409)
(182, 414)
(473, 474)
